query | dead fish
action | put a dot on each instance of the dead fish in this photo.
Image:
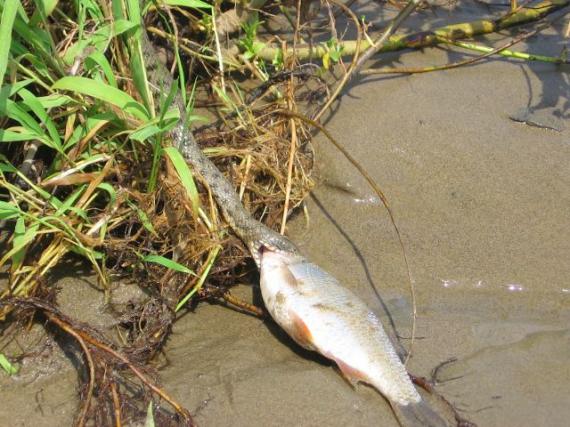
(323, 316)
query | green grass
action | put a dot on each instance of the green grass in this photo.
(86, 165)
(65, 95)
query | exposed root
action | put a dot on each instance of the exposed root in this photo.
(107, 366)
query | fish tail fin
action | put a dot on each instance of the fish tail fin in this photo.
(418, 415)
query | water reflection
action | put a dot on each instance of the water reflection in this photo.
(481, 284)
(368, 200)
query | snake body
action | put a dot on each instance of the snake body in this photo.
(252, 232)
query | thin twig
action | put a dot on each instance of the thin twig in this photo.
(90, 365)
(380, 195)
(353, 64)
(392, 27)
(242, 305)
(508, 53)
(290, 162)
(219, 53)
(428, 386)
(515, 40)
(116, 404)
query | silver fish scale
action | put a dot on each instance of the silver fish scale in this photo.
(345, 329)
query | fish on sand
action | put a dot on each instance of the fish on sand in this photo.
(308, 303)
(323, 316)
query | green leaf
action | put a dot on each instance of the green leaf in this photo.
(168, 101)
(54, 100)
(168, 263)
(110, 190)
(23, 134)
(9, 367)
(22, 237)
(97, 41)
(17, 113)
(71, 199)
(186, 177)
(36, 37)
(209, 263)
(97, 58)
(198, 4)
(10, 89)
(326, 60)
(33, 104)
(144, 218)
(47, 6)
(21, 240)
(151, 127)
(145, 132)
(6, 23)
(137, 59)
(9, 210)
(149, 421)
(88, 253)
(103, 92)
(5, 166)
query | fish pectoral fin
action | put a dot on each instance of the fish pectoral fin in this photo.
(351, 374)
(300, 332)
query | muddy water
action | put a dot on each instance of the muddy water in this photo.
(483, 205)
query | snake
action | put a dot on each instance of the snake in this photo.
(254, 234)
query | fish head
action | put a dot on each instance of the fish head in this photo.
(272, 258)
(276, 274)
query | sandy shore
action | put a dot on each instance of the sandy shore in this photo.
(483, 205)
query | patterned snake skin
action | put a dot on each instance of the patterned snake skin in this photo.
(253, 233)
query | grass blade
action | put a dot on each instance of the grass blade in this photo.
(197, 4)
(6, 23)
(186, 177)
(8, 366)
(149, 421)
(168, 263)
(103, 92)
(97, 58)
(22, 134)
(22, 237)
(99, 40)
(8, 210)
(209, 263)
(35, 105)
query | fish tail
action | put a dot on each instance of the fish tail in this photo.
(418, 415)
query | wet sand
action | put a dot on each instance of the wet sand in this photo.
(483, 205)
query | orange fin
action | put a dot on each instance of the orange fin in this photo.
(301, 332)
(352, 375)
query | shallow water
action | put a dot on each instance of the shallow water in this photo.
(483, 205)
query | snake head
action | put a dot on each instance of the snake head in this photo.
(273, 242)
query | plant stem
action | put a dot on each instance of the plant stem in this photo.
(430, 38)
(508, 53)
